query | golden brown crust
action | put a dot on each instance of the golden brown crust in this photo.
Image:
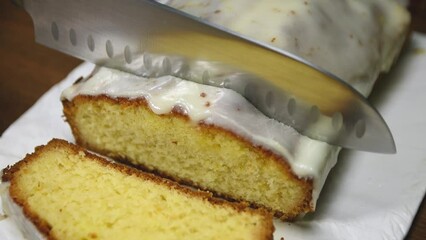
(44, 227)
(305, 205)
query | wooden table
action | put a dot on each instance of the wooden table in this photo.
(27, 70)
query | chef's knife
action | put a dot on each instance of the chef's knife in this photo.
(150, 39)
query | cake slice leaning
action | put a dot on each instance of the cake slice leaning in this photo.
(66, 192)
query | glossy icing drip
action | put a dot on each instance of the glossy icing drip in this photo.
(217, 106)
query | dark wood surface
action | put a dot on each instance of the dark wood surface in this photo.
(27, 70)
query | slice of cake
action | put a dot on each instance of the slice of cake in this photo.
(66, 192)
(213, 138)
(203, 136)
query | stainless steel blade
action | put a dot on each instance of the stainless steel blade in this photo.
(150, 39)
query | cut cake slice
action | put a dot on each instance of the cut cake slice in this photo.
(202, 155)
(69, 193)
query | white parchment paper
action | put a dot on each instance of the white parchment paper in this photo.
(367, 195)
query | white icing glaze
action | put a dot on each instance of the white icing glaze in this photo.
(15, 212)
(354, 39)
(217, 106)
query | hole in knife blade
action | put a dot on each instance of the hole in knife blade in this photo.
(206, 77)
(360, 128)
(249, 91)
(109, 49)
(167, 66)
(73, 37)
(183, 71)
(55, 31)
(291, 106)
(91, 43)
(147, 61)
(127, 54)
(314, 114)
(269, 100)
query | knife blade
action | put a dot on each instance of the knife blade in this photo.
(149, 39)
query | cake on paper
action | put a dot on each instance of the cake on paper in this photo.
(61, 191)
(213, 138)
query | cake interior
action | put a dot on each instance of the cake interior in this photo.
(72, 194)
(200, 155)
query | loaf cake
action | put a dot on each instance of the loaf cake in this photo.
(213, 138)
(66, 192)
